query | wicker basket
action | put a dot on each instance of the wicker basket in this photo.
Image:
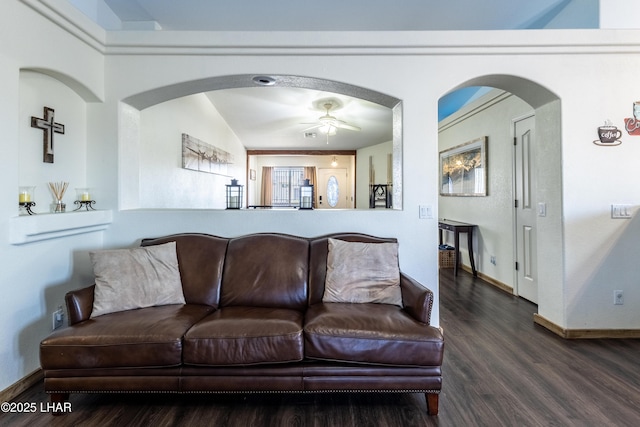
(446, 258)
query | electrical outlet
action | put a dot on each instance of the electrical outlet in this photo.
(493, 259)
(618, 297)
(57, 318)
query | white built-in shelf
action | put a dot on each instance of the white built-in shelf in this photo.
(33, 228)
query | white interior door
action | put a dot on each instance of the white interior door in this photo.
(526, 209)
(333, 191)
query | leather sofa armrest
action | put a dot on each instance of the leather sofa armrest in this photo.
(79, 304)
(417, 299)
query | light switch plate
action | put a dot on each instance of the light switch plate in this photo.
(542, 209)
(619, 211)
(425, 212)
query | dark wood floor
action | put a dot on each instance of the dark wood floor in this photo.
(500, 369)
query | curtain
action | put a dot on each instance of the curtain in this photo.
(267, 186)
(311, 174)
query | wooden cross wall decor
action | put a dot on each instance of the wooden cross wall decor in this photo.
(49, 126)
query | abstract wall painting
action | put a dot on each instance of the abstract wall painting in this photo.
(199, 156)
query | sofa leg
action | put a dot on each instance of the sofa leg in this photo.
(432, 403)
(59, 403)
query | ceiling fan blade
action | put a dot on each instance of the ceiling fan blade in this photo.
(342, 125)
(312, 127)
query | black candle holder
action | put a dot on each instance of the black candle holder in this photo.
(27, 206)
(88, 204)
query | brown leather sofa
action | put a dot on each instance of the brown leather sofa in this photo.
(254, 321)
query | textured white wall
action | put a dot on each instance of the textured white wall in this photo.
(619, 14)
(164, 184)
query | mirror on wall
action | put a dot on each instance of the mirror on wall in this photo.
(349, 135)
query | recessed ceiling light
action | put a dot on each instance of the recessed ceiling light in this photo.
(264, 80)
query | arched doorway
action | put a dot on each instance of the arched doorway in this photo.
(519, 221)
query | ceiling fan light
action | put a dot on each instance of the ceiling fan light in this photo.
(328, 129)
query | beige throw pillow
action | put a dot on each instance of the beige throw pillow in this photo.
(360, 272)
(136, 278)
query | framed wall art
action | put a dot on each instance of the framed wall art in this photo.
(200, 156)
(463, 169)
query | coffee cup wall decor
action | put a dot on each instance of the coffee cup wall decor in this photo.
(608, 135)
(632, 124)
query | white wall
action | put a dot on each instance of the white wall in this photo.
(591, 73)
(490, 116)
(164, 184)
(34, 277)
(619, 14)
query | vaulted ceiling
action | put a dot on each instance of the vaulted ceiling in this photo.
(355, 15)
(276, 118)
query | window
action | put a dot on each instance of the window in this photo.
(286, 186)
(333, 191)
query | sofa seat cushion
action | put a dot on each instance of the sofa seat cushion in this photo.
(370, 333)
(146, 337)
(241, 335)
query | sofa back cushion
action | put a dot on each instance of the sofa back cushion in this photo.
(359, 272)
(266, 270)
(200, 260)
(319, 249)
(127, 279)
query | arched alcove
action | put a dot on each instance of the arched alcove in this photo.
(131, 107)
(79, 88)
(512, 100)
(46, 92)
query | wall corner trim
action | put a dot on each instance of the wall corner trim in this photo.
(14, 390)
(586, 333)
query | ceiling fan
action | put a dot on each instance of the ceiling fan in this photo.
(329, 124)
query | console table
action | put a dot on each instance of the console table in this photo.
(456, 228)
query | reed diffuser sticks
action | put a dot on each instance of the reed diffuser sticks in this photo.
(58, 189)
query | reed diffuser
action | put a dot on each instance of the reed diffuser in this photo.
(58, 189)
